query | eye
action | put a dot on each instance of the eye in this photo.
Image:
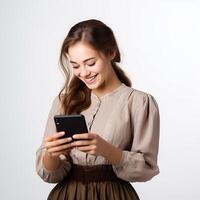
(75, 66)
(91, 63)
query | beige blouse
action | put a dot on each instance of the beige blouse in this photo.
(128, 119)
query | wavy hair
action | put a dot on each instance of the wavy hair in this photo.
(75, 95)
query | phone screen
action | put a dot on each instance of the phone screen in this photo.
(71, 124)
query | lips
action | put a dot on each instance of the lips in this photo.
(90, 79)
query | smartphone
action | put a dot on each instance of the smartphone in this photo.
(70, 124)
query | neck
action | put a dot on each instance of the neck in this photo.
(108, 86)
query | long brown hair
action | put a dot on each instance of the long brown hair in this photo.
(75, 95)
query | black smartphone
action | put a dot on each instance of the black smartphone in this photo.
(70, 124)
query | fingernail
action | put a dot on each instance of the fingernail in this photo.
(62, 133)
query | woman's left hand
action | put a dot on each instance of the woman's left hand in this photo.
(90, 143)
(93, 144)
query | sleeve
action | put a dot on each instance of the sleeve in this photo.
(47, 175)
(140, 163)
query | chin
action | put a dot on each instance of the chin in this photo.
(94, 86)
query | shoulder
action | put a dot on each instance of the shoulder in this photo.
(135, 94)
(57, 103)
(137, 98)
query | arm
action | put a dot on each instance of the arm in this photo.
(51, 169)
(140, 163)
(51, 163)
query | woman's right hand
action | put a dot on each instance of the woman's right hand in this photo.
(56, 146)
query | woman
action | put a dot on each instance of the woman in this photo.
(122, 143)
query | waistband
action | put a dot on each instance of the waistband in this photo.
(94, 173)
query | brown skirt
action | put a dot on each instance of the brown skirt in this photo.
(97, 182)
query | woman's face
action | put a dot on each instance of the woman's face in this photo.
(90, 66)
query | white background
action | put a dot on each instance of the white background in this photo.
(160, 45)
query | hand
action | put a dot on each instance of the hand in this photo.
(56, 146)
(93, 144)
(90, 143)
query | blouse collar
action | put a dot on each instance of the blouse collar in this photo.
(108, 94)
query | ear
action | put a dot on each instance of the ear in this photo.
(112, 55)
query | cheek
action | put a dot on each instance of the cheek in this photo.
(101, 68)
(76, 72)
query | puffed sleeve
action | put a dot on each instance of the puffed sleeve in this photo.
(140, 164)
(47, 175)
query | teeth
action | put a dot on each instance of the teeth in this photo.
(92, 77)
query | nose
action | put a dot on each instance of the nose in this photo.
(84, 72)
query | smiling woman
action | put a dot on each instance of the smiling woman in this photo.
(92, 50)
(122, 143)
(92, 67)
(88, 62)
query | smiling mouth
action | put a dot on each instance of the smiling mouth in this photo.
(91, 79)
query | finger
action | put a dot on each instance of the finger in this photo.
(58, 142)
(87, 148)
(65, 152)
(54, 136)
(84, 136)
(93, 152)
(57, 153)
(60, 148)
(82, 143)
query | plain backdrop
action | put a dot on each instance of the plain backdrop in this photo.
(160, 45)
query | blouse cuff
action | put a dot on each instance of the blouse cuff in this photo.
(133, 168)
(119, 167)
(52, 176)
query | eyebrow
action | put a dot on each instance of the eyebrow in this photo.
(83, 61)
